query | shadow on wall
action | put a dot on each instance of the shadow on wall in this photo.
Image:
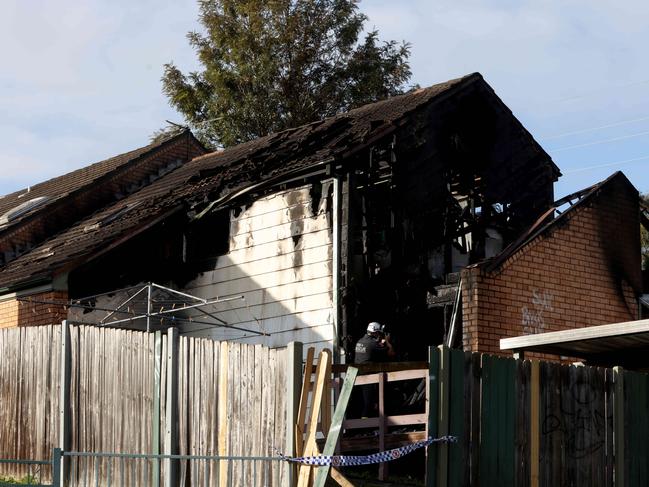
(279, 261)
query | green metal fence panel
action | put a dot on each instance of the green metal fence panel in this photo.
(523, 423)
(457, 463)
(497, 422)
(28, 472)
(636, 395)
(433, 398)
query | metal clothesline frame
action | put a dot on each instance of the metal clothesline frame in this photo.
(195, 302)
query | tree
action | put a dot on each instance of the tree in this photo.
(268, 65)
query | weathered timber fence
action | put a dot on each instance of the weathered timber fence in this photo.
(29, 396)
(531, 423)
(171, 401)
(93, 390)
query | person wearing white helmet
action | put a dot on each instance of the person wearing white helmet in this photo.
(374, 346)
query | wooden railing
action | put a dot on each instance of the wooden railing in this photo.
(382, 374)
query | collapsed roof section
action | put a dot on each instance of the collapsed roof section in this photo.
(486, 159)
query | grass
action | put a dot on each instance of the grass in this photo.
(26, 480)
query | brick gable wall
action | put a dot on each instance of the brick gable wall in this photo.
(584, 270)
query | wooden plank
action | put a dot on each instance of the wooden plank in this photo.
(316, 401)
(294, 382)
(432, 408)
(171, 408)
(374, 368)
(304, 398)
(238, 407)
(392, 440)
(401, 420)
(267, 411)
(155, 414)
(258, 448)
(539, 340)
(535, 421)
(334, 432)
(325, 421)
(280, 411)
(340, 479)
(407, 375)
(223, 413)
(64, 401)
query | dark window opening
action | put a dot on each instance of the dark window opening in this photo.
(206, 239)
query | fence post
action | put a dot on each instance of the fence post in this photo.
(56, 467)
(155, 441)
(64, 403)
(618, 426)
(443, 424)
(336, 425)
(293, 386)
(171, 413)
(432, 408)
(223, 413)
(535, 422)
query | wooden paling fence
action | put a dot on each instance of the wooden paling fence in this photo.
(92, 389)
(29, 399)
(531, 423)
(518, 422)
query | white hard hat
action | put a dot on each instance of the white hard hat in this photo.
(374, 327)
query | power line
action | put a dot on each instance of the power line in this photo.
(593, 129)
(597, 90)
(597, 142)
(608, 164)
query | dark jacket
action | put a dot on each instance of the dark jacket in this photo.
(370, 349)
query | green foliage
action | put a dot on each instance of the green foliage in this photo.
(26, 480)
(268, 65)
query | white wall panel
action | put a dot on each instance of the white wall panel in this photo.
(280, 261)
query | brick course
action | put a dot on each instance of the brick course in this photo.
(20, 313)
(583, 270)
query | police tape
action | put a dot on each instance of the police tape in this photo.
(386, 456)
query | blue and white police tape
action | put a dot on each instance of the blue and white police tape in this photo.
(386, 456)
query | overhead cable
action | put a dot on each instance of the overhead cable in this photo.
(597, 142)
(593, 129)
(608, 164)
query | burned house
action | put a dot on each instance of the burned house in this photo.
(415, 211)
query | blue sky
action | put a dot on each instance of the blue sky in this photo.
(80, 81)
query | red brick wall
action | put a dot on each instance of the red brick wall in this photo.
(583, 270)
(20, 313)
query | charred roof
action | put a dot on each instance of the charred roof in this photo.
(30, 216)
(221, 176)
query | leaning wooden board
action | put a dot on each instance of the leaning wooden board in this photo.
(336, 424)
